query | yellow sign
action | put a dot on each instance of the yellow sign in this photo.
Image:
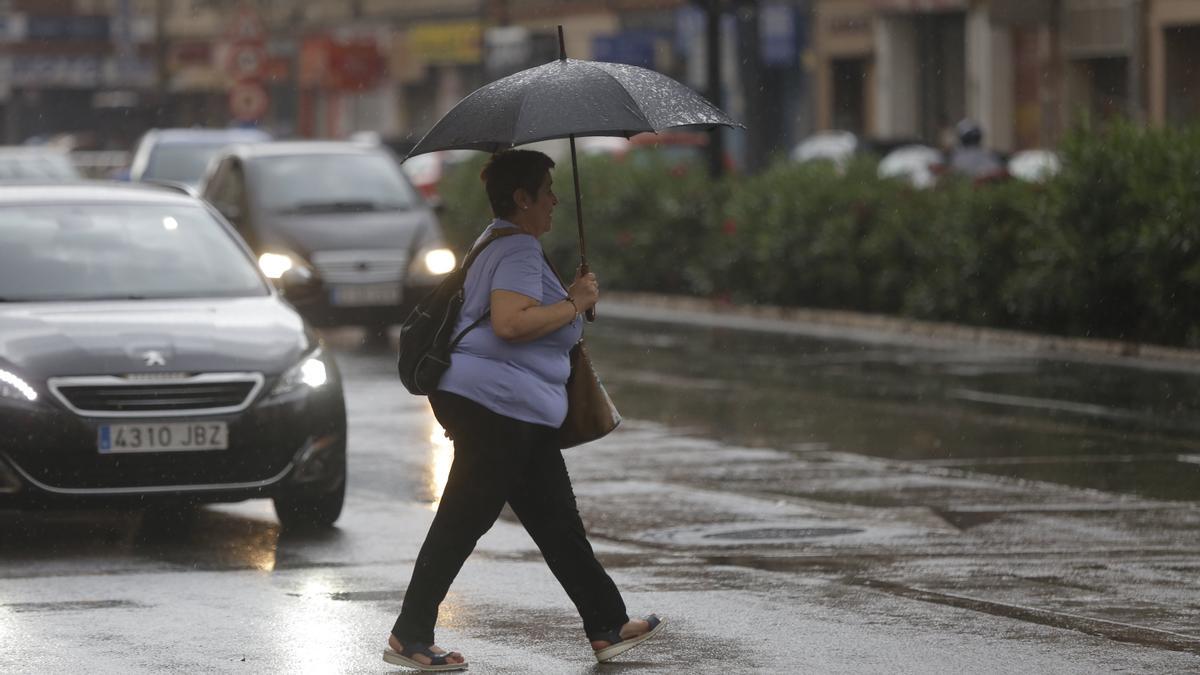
(447, 42)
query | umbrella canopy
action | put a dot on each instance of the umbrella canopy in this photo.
(569, 97)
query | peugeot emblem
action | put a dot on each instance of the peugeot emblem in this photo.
(154, 358)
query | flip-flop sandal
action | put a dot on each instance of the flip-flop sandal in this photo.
(405, 658)
(618, 645)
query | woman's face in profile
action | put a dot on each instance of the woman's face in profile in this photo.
(541, 209)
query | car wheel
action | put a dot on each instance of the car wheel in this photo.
(309, 511)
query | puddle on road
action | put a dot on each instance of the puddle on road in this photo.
(961, 407)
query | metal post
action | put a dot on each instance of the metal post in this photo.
(716, 145)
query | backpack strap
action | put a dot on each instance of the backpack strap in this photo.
(492, 236)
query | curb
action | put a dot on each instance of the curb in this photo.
(882, 329)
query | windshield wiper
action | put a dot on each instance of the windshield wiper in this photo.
(339, 207)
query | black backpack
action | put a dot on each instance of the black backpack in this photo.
(425, 343)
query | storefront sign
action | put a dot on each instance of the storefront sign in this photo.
(449, 42)
(920, 6)
(82, 27)
(346, 66)
(46, 72)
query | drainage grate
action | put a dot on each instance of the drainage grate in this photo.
(781, 533)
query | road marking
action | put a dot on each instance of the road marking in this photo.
(1106, 628)
(1089, 409)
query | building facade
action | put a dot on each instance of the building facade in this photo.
(1025, 69)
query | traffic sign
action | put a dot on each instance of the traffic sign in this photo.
(247, 26)
(248, 101)
(246, 61)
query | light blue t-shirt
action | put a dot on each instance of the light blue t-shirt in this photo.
(523, 380)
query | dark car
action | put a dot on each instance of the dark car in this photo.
(182, 155)
(344, 215)
(144, 357)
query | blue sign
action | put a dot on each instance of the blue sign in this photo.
(632, 47)
(777, 35)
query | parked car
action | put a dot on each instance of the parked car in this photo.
(1034, 166)
(343, 214)
(23, 163)
(182, 155)
(145, 359)
(919, 165)
(835, 147)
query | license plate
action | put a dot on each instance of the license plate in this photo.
(163, 437)
(364, 294)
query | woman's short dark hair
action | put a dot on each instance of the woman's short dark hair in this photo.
(509, 170)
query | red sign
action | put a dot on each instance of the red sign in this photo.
(248, 101)
(355, 65)
(344, 66)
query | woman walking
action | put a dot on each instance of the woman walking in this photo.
(502, 401)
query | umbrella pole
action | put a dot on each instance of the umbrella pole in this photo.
(590, 314)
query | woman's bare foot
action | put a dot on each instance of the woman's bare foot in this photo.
(398, 647)
(633, 628)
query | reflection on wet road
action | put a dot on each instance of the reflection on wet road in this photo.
(1108, 427)
(902, 509)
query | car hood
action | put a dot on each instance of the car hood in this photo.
(57, 339)
(374, 230)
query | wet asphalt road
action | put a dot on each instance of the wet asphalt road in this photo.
(790, 504)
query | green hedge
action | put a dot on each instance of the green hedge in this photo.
(1108, 248)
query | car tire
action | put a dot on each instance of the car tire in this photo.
(308, 511)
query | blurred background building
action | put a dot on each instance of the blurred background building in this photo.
(105, 70)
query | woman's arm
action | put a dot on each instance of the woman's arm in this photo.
(520, 318)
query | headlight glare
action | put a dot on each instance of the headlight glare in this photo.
(440, 261)
(312, 372)
(274, 264)
(14, 387)
(309, 372)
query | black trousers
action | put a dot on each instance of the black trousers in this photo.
(498, 459)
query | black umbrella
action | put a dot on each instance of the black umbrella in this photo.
(568, 98)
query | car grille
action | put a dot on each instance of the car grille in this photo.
(360, 267)
(139, 396)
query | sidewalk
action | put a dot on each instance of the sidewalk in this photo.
(882, 329)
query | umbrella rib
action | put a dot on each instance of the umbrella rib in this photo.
(521, 108)
(641, 113)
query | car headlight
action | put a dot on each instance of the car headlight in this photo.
(309, 373)
(13, 387)
(439, 261)
(274, 264)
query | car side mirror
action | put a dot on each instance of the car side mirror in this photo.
(231, 211)
(298, 284)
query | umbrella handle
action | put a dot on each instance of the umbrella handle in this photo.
(589, 314)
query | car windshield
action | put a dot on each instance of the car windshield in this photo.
(182, 162)
(120, 251)
(32, 166)
(331, 182)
